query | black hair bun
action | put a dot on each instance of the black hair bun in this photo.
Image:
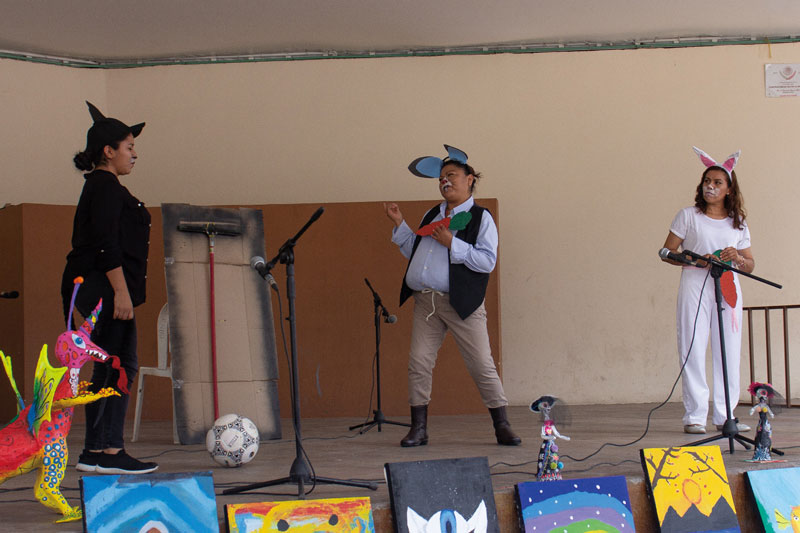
(83, 161)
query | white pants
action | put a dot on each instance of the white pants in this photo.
(695, 389)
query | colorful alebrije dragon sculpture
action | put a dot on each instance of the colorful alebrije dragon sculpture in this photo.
(37, 437)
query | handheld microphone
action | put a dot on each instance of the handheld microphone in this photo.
(9, 295)
(666, 253)
(258, 264)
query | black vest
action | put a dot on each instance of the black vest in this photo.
(467, 287)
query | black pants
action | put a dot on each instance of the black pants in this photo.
(105, 418)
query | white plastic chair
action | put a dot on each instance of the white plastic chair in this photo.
(162, 370)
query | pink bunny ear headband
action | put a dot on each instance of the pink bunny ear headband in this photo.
(708, 161)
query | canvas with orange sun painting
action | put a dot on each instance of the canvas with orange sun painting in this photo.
(301, 516)
(690, 489)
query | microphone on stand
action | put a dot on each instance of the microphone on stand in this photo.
(389, 319)
(698, 257)
(258, 264)
(666, 253)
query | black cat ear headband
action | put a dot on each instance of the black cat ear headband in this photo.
(106, 130)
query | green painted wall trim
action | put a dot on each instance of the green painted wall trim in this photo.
(466, 51)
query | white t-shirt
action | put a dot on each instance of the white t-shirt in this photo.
(705, 235)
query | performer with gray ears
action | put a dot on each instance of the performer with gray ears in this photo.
(450, 259)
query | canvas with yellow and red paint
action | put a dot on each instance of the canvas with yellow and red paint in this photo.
(301, 516)
(690, 489)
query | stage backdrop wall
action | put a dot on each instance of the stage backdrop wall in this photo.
(589, 154)
(335, 321)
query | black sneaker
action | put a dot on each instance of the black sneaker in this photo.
(122, 463)
(87, 462)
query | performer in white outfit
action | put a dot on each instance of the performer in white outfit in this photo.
(714, 225)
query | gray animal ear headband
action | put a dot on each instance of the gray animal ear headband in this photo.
(727, 165)
(431, 167)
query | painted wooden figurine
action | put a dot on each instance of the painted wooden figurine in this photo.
(548, 467)
(764, 393)
(36, 439)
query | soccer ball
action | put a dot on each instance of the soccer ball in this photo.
(233, 441)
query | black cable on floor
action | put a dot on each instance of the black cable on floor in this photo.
(672, 390)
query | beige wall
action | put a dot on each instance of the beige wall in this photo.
(589, 155)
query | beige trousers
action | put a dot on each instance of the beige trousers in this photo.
(433, 317)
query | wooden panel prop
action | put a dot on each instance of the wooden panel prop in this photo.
(598, 504)
(777, 496)
(149, 502)
(246, 365)
(444, 495)
(301, 516)
(690, 489)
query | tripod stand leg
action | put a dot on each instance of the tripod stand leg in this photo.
(396, 423)
(254, 486)
(744, 440)
(366, 426)
(301, 484)
(377, 420)
(362, 484)
(731, 438)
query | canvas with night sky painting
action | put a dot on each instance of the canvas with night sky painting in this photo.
(599, 505)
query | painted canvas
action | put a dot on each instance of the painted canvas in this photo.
(301, 516)
(149, 502)
(690, 489)
(444, 495)
(777, 496)
(598, 505)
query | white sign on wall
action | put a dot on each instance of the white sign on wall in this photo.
(782, 79)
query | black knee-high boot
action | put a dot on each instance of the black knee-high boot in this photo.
(502, 429)
(418, 434)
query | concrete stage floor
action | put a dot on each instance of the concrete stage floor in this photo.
(336, 452)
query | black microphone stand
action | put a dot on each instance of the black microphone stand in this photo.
(299, 473)
(379, 417)
(729, 430)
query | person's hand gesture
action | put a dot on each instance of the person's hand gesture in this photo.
(443, 236)
(393, 212)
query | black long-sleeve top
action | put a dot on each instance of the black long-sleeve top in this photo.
(111, 229)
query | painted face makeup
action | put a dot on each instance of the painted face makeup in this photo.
(454, 184)
(444, 184)
(715, 185)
